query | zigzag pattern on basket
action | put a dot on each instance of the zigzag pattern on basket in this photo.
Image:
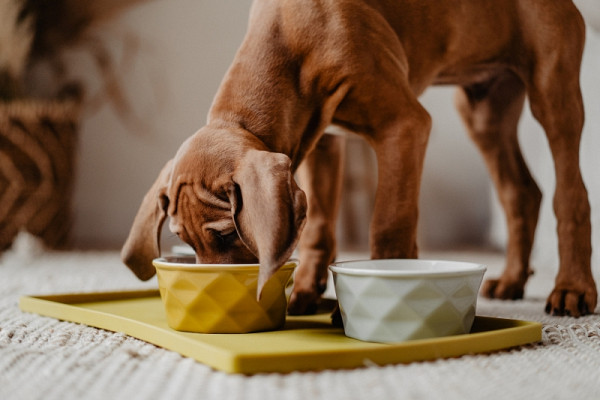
(37, 158)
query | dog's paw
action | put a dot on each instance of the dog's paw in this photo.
(303, 303)
(574, 302)
(306, 296)
(502, 289)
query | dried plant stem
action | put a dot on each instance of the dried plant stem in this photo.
(16, 37)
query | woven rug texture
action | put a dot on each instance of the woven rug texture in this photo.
(43, 358)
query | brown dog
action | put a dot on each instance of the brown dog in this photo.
(361, 64)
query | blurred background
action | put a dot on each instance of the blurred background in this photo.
(168, 59)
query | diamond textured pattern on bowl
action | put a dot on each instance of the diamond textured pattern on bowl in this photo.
(222, 301)
(377, 309)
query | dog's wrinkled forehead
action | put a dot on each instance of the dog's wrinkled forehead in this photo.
(200, 173)
(194, 212)
(191, 194)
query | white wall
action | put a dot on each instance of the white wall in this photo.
(186, 47)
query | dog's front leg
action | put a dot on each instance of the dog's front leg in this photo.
(400, 150)
(320, 176)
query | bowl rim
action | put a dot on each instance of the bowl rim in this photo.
(450, 268)
(165, 264)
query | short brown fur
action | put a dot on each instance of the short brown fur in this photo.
(360, 64)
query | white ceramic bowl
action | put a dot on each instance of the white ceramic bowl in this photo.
(396, 300)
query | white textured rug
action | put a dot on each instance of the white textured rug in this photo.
(42, 358)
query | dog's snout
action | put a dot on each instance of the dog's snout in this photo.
(232, 257)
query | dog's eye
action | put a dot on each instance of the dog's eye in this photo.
(228, 235)
(225, 237)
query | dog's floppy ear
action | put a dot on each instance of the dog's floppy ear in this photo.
(143, 243)
(269, 210)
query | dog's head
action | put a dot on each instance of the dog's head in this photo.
(227, 197)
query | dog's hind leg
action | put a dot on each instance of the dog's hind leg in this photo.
(320, 175)
(556, 102)
(491, 112)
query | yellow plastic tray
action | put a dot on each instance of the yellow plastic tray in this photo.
(305, 343)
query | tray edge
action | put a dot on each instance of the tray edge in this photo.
(61, 306)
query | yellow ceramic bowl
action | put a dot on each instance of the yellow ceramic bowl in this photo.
(221, 298)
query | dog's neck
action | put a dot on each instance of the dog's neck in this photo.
(276, 114)
(263, 94)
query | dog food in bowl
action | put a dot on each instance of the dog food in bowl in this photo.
(221, 298)
(397, 299)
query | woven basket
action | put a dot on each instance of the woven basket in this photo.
(37, 159)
